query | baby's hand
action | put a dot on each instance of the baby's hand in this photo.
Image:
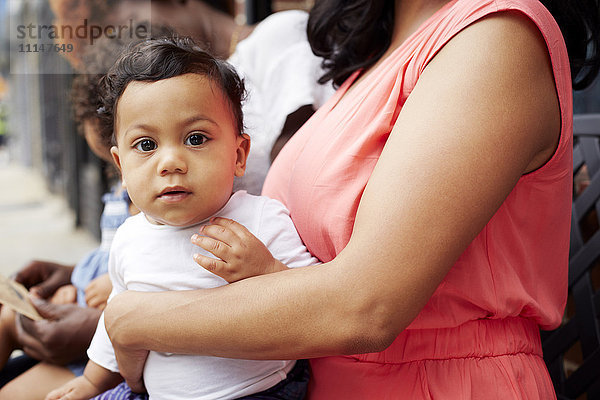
(66, 294)
(76, 389)
(97, 292)
(239, 253)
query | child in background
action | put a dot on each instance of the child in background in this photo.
(178, 128)
(93, 283)
(90, 285)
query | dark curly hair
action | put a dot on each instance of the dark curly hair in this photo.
(349, 35)
(157, 59)
(85, 90)
(354, 34)
(579, 21)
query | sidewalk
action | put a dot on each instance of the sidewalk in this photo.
(35, 224)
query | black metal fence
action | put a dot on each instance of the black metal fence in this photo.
(40, 128)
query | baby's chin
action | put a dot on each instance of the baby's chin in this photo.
(176, 222)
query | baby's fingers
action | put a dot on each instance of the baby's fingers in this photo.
(240, 231)
(216, 266)
(223, 232)
(213, 245)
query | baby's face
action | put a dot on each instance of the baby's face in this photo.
(177, 148)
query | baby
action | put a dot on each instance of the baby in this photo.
(178, 128)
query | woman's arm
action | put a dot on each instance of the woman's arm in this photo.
(483, 113)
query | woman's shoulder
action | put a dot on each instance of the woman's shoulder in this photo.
(456, 15)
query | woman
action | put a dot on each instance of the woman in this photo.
(435, 186)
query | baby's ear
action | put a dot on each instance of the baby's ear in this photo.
(243, 149)
(114, 152)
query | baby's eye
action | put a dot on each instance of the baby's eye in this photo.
(145, 145)
(195, 139)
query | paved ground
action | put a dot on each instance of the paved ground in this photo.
(34, 223)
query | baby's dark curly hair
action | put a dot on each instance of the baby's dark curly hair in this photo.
(85, 90)
(157, 59)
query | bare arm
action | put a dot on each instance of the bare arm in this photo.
(483, 113)
(95, 380)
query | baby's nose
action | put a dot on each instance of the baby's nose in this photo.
(171, 161)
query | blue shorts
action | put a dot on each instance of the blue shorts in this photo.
(293, 387)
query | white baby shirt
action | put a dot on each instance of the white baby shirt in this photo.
(148, 257)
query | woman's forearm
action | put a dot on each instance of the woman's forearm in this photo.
(245, 319)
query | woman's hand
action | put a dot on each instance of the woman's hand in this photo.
(131, 366)
(130, 357)
(240, 254)
(97, 292)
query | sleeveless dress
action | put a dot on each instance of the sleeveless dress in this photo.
(478, 335)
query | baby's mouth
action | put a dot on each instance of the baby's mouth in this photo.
(174, 194)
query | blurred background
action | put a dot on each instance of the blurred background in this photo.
(50, 182)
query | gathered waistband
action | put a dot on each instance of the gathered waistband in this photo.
(473, 339)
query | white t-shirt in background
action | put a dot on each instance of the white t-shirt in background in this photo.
(280, 72)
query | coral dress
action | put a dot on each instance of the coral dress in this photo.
(478, 336)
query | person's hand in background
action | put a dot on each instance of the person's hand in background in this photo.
(62, 336)
(43, 278)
